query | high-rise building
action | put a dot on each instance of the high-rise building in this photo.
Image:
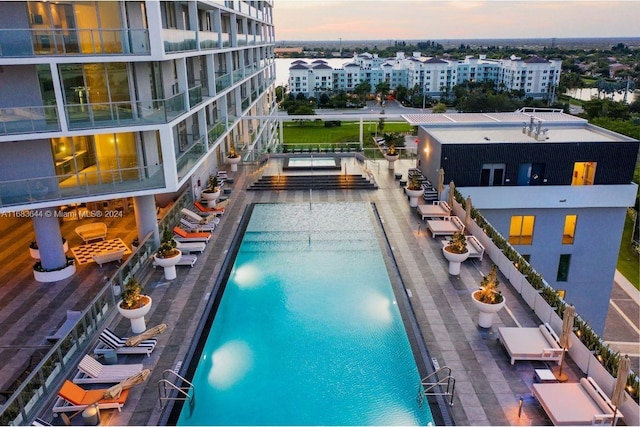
(103, 100)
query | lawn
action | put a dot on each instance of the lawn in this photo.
(315, 132)
(628, 261)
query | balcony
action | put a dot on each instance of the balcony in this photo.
(190, 157)
(89, 182)
(28, 119)
(195, 96)
(16, 43)
(208, 40)
(179, 40)
(215, 131)
(223, 81)
(110, 114)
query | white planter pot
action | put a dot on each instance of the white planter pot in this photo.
(414, 196)
(35, 253)
(136, 316)
(529, 293)
(391, 160)
(54, 276)
(211, 197)
(454, 260)
(233, 161)
(169, 265)
(485, 319)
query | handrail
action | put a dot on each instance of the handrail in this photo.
(450, 382)
(182, 392)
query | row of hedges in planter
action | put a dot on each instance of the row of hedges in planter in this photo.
(587, 336)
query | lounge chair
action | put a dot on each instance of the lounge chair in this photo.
(186, 236)
(581, 403)
(191, 216)
(202, 208)
(446, 226)
(188, 247)
(65, 328)
(73, 398)
(194, 226)
(539, 343)
(110, 341)
(91, 371)
(437, 209)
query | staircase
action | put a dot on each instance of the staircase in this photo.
(315, 182)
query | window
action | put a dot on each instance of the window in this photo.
(492, 174)
(584, 173)
(569, 233)
(531, 174)
(563, 268)
(521, 229)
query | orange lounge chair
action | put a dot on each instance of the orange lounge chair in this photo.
(185, 236)
(206, 209)
(72, 397)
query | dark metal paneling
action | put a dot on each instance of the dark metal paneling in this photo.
(615, 161)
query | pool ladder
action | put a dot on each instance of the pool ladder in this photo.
(168, 388)
(432, 385)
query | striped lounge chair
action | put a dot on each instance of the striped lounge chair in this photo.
(90, 371)
(109, 341)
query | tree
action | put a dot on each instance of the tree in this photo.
(383, 89)
(362, 89)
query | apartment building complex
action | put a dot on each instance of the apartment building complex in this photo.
(556, 187)
(536, 77)
(103, 100)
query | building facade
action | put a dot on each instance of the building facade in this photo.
(536, 77)
(102, 100)
(554, 186)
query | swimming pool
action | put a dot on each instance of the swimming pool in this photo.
(308, 331)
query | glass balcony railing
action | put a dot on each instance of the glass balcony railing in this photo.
(195, 96)
(82, 184)
(28, 119)
(238, 75)
(215, 131)
(245, 104)
(55, 41)
(108, 114)
(226, 39)
(208, 40)
(189, 158)
(178, 40)
(222, 82)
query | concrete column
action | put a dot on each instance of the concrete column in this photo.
(145, 212)
(49, 238)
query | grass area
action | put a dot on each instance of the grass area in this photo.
(628, 261)
(315, 132)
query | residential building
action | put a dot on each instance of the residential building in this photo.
(536, 77)
(556, 187)
(103, 100)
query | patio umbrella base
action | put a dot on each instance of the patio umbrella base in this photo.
(560, 376)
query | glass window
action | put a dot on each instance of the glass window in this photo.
(569, 233)
(563, 268)
(521, 230)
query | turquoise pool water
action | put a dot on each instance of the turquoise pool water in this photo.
(308, 331)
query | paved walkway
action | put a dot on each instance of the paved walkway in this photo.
(488, 387)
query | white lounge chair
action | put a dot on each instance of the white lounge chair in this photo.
(199, 219)
(188, 247)
(539, 343)
(446, 226)
(437, 209)
(196, 226)
(90, 371)
(110, 341)
(573, 404)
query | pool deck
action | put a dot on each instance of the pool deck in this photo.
(488, 388)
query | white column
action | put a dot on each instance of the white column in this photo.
(49, 238)
(145, 213)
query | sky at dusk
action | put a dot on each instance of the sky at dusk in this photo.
(460, 19)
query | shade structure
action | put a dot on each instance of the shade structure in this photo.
(114, 391)
(619, 396)
(467, 213)
(452, 190)
(149, 333)
(565, 338)
(440, 180)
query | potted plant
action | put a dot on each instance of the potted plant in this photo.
(392, 141)
(414, 190)
(488, 298)
(134, 305)
(233, 158)
(456, 251)
(35, 252)
(168, 255)
(212, 191)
